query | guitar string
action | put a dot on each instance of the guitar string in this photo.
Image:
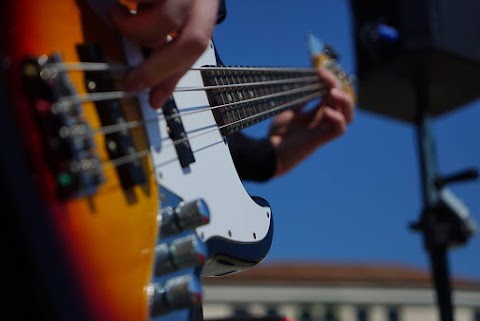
(144, 153)
(64, 103)
(51, 69)
(77, 132)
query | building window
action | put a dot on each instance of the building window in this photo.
(305, 314)
(476, 315)
(393, 314)
(330, 313)
(362, 314)
(240, 311)
(272, 311)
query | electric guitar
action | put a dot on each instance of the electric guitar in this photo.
(102, 160)
(101, 205)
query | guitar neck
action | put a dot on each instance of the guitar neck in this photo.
(244, 96)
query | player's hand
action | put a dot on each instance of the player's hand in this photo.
(190, 22)
(296, 133)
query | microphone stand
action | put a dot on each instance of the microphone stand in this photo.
(444, 220)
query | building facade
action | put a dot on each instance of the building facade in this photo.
(335, 292)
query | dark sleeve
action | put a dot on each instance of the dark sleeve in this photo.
(222, 12)
(253, 158)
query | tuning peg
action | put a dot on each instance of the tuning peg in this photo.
(186, 216)
(184, 252)
(177, 293)
(317, 47)
(331, 52)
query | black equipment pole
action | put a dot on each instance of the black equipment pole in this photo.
(434, 239)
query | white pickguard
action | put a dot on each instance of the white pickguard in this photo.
(213, 177)
(234, 215)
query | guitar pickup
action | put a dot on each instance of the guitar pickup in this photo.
(120, 143)
(177, 133)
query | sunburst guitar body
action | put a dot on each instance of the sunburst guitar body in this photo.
(103, 213)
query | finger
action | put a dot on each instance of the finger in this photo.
(153, 24)
(332, 124)
(162, 91)
(328, 78)
(342, 102)
(181, 53)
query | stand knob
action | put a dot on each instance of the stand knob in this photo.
(466, 175)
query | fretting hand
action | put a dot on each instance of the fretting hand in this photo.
(191, 21)
(296, 133)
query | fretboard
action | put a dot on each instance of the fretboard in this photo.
(244, 96)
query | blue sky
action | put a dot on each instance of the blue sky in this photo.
(353, 199)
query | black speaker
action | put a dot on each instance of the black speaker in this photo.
(407, 46)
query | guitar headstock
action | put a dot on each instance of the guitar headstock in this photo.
(324, 55)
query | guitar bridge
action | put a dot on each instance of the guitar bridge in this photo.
(69, 145)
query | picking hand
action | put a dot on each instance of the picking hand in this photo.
(296, 133)
(191, 21)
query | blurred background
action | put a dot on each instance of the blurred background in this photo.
(353, 200)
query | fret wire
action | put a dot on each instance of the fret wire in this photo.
(230, 80)
(256, 92)
(236, 78)
(238, 93)
(268, 103)
(218, 80)
(245, 106)
(231, 93)
(218, 95)
(233, 111)
(259, 90)
(252, 107)
(246, 94)
(227, 114)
